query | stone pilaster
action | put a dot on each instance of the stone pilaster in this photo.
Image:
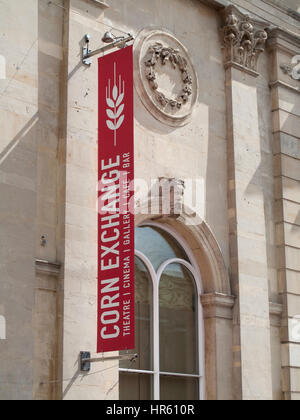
(243, 41)
(217, 313)
(18, 194)
(285, 85)
(77, 234)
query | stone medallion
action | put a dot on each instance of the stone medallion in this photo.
(165, 78)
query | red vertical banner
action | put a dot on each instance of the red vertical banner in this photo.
(116, 329)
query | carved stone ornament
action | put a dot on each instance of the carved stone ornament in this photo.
(243, 38)
(292, 70)
(287, 69)
(165, 77)
(159, 53)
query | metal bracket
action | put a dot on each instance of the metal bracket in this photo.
(120, 42)
(86, 360)
(85, 53)
(85, 364)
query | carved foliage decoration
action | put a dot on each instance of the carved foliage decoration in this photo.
(157, 53)
(166, 80)
(292, 69)
(244, 39)
(287, 69)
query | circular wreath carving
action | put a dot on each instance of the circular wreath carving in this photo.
(159, 53)
(165, 77)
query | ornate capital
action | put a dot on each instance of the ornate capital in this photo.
(243, 39)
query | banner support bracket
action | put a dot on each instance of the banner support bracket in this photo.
(115, 42)
(86, 360)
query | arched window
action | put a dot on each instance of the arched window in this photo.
(169, 321)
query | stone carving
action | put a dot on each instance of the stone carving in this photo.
(244, 38)
(287, 69)
(167, 197)
(165, 77)
(292, 70)
(159, 53)
(172, 189)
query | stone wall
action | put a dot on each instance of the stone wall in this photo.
(286, 129)
(196, 150)
(18, 194)
(48, 179)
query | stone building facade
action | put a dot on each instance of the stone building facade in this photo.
(237, 132)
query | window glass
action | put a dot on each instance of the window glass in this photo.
(134, 386)
(179, 388)
(174, 318)
(143, 319)
(157, 245)
(178, 321)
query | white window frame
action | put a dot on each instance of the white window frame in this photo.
(155, 277)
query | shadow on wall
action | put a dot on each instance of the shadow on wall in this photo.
(73, 379)
(6, 155)
(49, 107)
(17, 252)
(18, 122)
(80, 376)
(264, 179)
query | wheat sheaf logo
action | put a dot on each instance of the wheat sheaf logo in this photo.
(114, 101)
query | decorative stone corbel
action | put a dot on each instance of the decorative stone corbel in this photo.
(165, 199)
(243, 39)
